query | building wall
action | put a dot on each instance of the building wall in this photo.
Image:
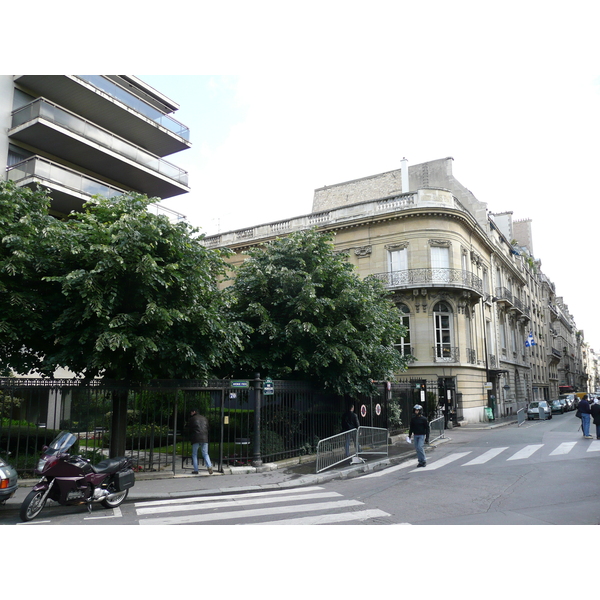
(6, 100)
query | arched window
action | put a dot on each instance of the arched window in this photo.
(403, 345)
(444, 347)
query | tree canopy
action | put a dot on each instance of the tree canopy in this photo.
(313, 318)
(115, 291)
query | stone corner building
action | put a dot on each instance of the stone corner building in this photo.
(464, 279)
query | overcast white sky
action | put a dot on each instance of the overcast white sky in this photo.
(283, 98)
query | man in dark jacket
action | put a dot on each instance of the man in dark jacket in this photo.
(584, 410)
(419, 427)
(595, 412)
(197, 426)
(349, 422)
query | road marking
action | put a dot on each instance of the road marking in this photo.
(361, 515)
(247, 514)
(485, 456)
(404, 465)
(594, 446)
(152, 510)
(225, 496)
(442, 462)
(564, 448)
(525, 452)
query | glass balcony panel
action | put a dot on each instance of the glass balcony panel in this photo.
(90, 131)
(112, 89)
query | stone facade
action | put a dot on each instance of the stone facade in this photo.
(469, 294)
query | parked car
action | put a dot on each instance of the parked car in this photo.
(557, 406)
(8, 481)
(534, 408)
(569, 399)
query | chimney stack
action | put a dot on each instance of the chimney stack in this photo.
(405, 185)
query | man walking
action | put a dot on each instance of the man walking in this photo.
(198, 428)
(584, 410)
(419, 427)
(350, 422)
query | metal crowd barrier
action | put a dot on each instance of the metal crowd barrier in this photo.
(348, 445)
(436, 429)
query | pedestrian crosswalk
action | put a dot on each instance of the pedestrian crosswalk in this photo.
(520, 454)
(504, 453)
(319, 507)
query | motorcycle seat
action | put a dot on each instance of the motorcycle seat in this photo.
(110, 465)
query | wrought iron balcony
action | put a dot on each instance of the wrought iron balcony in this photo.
(444, 353)
(432, 278)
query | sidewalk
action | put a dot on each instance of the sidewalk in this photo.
(291, 473)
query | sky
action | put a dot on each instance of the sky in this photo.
(284, 98)
(512, 94)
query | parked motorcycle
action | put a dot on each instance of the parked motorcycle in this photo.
(71, 480)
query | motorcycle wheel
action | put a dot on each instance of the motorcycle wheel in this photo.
(32, 505)
(115, 499)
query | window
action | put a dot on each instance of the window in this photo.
(440, 263)
(442, 315)
(398, 260)
(398, 266)
(403, 345)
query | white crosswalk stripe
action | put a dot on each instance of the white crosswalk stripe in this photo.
(442, 462)
(246, 508)
(594, 446)
(485, 456)
(525, 452)
(564, 448)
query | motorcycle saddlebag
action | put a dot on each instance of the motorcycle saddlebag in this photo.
(124, 480)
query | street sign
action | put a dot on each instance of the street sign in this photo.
(268, 387)
(240, 383)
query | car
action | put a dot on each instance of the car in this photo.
(534, 409)
(557, 406)
(569, 399)
(8, 481)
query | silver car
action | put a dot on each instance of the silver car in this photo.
(533, 411)
(8, 481)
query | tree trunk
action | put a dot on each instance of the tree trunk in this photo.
(118, 426)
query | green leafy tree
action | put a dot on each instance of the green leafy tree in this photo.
(114, 291)
(140, 297)
(313, 318)
(27, 253)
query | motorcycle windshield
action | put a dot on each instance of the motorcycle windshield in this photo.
(61, 443)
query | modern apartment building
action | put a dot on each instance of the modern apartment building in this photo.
(469, 292)
(80, 135)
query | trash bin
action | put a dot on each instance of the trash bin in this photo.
(489, 413)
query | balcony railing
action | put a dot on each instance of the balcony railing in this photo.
(444, 353)
(137, 104)
(434, 277)
(38, 168)
(52, 113)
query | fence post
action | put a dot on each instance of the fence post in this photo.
(256, 457)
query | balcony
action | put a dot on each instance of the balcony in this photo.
(49, 128)
(69, 189)
(444, 354)
(437, 278)
(111, 106)
(504, 296)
